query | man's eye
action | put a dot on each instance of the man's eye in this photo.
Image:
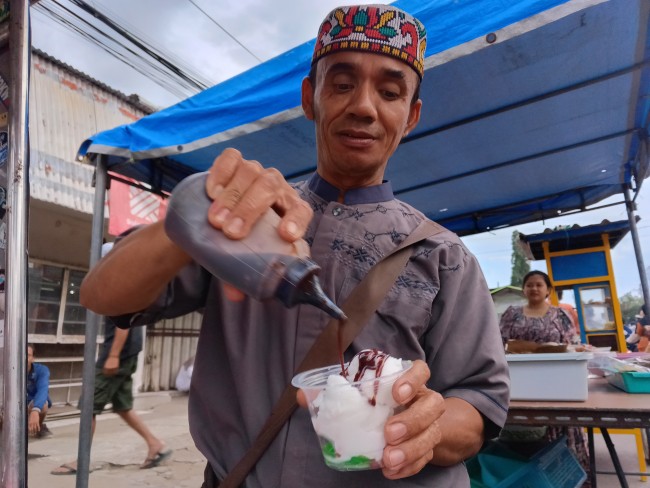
(343, 86)
(390, 95)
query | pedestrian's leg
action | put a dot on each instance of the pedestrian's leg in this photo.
(123, 405)
(134, 421)
(71, 467)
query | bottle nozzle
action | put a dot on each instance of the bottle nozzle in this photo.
(301, 285)
(323, 302)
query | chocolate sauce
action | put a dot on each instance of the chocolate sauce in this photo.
(339, 335)
(369, 360)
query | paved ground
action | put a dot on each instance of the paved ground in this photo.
(117, 451)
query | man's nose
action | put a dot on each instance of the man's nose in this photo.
(363, 102)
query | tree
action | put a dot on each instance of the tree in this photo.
(630, 306)
(520, 265)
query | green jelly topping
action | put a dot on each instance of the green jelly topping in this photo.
(329, 451)
(358, 461)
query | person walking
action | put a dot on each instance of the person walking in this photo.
(116, 363)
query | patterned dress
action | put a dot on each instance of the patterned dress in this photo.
(555, 326)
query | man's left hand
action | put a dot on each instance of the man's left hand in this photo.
(412, 435)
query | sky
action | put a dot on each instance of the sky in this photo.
(267, 28)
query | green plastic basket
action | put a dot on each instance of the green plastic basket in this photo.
(631, 381)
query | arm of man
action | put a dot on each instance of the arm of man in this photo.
(460, 395)
(135, 272)
(42, 387)
(112, 363)
(132, 275)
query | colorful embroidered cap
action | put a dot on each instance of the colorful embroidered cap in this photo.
(379, 29)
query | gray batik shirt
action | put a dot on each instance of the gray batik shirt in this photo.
(439, 310)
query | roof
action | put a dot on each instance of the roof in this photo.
(573, 237)
(133, 99)
(507, 288)
(547, 114)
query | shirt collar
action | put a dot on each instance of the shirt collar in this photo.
(369, 194)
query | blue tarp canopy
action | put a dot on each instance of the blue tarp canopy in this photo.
(548, 115)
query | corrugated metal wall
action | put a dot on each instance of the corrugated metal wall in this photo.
(169, 343)
(64, 110)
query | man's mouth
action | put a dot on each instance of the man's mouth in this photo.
(357, 137)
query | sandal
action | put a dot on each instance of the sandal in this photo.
(160, 457)
(64, 469)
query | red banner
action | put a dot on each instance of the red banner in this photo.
(129, 206)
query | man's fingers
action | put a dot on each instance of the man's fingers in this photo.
(301, 398)
(240, 201)
(407, 386)
(412, 454)
(412, 434)
(110, 371)
(222, 170)
(242, 191)
(417, 418)
(403, 466)
(296, 217)
(232, 293)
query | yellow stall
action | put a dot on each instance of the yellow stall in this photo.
(579, 263)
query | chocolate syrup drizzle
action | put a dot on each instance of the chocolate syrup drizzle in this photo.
(369, 360)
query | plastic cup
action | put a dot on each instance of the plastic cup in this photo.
(349, 417)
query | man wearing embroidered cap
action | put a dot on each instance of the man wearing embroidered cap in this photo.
(375, 29)
(362, 93)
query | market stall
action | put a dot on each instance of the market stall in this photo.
(529, 111)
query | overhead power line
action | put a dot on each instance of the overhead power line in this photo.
(137, 42)
(82, 27)
(224, 30)
(126, 44)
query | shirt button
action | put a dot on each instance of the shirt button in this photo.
(337, 211)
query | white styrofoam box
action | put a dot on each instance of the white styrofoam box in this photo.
(552, 376)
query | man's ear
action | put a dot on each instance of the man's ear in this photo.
(414, 117)
(307, 98)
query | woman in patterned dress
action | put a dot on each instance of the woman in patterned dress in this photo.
(539, 321)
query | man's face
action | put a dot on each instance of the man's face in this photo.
(361, 105)
(30, 358)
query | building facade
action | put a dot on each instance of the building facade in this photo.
(66, 107)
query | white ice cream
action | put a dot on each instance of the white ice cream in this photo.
(351, 416)
(384, 393)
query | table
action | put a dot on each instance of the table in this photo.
(606, 407)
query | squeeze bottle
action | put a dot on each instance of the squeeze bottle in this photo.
(262, 265)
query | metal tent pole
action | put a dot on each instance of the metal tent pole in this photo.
(630, 206)
(92, 324)
(14, 434)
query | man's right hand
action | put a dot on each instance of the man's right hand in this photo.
(242, 191)
(34, 424)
